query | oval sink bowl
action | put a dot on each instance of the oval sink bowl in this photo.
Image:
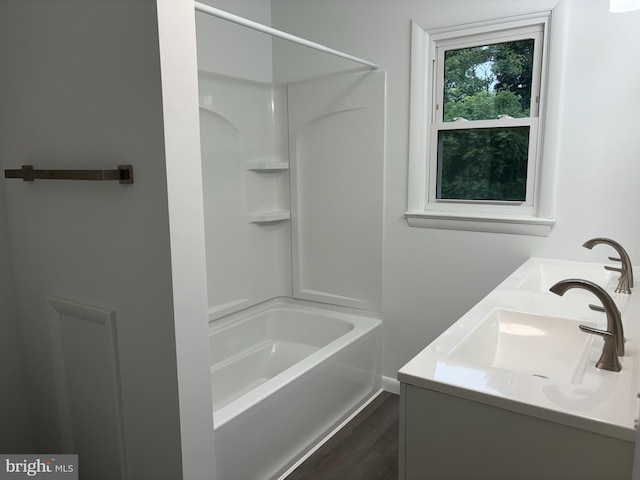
(538, 345)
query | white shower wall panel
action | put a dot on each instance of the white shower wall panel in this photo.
(336, 145)
(230, 49)
(243, 122)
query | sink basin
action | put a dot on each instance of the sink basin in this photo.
(497, 353)
(542, 346)
(543, 276)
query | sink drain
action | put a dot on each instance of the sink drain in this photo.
(538, 375)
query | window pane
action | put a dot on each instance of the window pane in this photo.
(483, 164)
(489, 81)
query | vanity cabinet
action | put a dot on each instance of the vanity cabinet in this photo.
(444, 436)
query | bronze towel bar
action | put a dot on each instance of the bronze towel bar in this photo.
(124, 174)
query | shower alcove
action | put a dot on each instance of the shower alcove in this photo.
(293, 203)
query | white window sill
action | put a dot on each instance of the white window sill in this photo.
(520, 225)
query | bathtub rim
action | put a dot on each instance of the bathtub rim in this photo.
(219, 322)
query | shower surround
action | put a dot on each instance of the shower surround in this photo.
(293, 195)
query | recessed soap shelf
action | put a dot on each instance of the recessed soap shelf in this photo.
(269, 217)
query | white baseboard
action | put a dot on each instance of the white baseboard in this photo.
(390, 384)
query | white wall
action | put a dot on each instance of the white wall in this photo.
(81, 88)
(16, 435)
(600, 146)
(178, 62)
(432, 277)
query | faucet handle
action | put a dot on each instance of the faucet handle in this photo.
(609, 358)
(596, 331)
(615, 259)
(615, 269)
(598, 308)
(623, 283)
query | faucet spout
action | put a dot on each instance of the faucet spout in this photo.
(626, 271)
(614, 321)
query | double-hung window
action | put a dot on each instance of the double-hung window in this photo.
(477, 114)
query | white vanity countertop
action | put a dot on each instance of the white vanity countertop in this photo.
(596, 400)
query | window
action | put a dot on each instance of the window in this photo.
(477, 122)
(485, 119)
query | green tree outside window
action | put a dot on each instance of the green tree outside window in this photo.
(485, 83)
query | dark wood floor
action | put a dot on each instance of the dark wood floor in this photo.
(365, 449)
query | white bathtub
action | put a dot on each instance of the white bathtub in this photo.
(284, 374)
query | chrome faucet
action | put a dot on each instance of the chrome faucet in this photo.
(626, 270)
(614, 321)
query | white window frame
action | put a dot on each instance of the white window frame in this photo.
(535, 215)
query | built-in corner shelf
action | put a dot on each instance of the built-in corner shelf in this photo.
(267, 165)
(269, 217)
(273, 188)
